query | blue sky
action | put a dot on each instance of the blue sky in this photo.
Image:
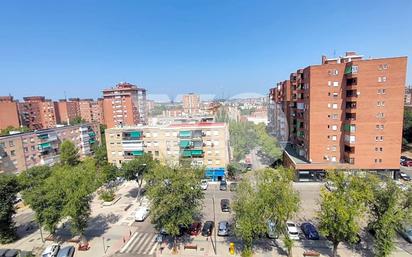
(170, 47)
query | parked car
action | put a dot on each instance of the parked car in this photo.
(223, 228)
(51, 250)
(141, 213)
(225, 205)
(208, 228)
(233, 186)
(203, 184)
(292, 230)
(9, 252)
(310, 231)
(67, 251)
(195, 228)
(223, 185)
(406, 232)
(272, 234)
(404, 158)
(407, 163)
(404, 176)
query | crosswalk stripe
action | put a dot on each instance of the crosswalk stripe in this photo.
(153, 247)
(143, 244)
(128, 242)
(136, 242)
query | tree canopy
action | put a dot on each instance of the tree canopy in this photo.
(69, 154)
(8, 189)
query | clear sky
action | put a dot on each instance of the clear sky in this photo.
(169, 47)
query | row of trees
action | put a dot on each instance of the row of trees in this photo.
(356, 203)
(56, 193)
(407, 126)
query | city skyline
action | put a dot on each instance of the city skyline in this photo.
(171, 48)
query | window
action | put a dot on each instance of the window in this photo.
(334, 116)
(334, 106)
(156, 153)
(354, 69)
(382, 126)
(381, 103)
(333, 148)
(329, 83)
(333, 158)
(11, 143)
(334, 127)
(335, 95)
(26, 149)
(381, 79)
(333, 138)
(335, 83)
(13, 153)
(380, 115)
(32, 147)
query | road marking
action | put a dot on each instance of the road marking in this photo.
(153, 248)
(143, 244)
(136, 242)
(128, 242)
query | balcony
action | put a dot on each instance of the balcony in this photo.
(350, 139)
(186, 134)
(351, 95)
(192, 153)
(132, 135)
(132, 154)
(350, 116)
(351, 128)
(350, 105)
(351, 82)
(351, 70)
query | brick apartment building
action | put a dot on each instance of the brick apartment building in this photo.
(67, 110)
(36, 112)
(9, 114)
(91, 111)
(124, 105)
(201, 143)
(346, 113)
(191, 103)
(21, 151)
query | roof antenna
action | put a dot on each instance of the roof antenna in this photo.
(65, 97)
(334, 53)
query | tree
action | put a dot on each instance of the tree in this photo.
(33, 177)
(137, 168)
(7, 130)
(342, 210)
(266, 196)
(8, 189)
(390, 208)
(69, 154)
(175, 198)
(233, 169)
(100, 155)
(77, 120)
(407, 125)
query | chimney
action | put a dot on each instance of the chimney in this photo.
(323, 59)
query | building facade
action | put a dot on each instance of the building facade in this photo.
(68, 110)
(346, 113)
(201, 144)
(21, 151)
(124, 105)
(9, 115)
(36, 113)
(408, 96)
(191, 104)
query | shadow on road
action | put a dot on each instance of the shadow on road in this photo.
(26, 229)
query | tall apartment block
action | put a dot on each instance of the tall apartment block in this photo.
(91, 111)
(198, 143)
(68, 110)
(124, 105)
(346, 113)
(9, 115)
(191, 103)
(36, 112)
(21, 151)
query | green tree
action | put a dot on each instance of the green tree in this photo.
(233, 169)
(137, 168)
(342, 210)
(6, 131)
(175, 198)
(77, 120)
(100, 155)
(8, 189)
(407, 125)
(390, 209)
(33, 177)
(69, 154)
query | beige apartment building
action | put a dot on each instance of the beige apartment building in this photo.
(203, 144)
(191, 103)
(21, 151)
(346, 113)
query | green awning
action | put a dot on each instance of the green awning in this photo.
(135, 134)
(187, 153)
(43, 136)
(44, 145)
(348, 70)
(92, 134)
(197, 152)
(184, 143)
(137, 153)
(91, 141)
(185, 133)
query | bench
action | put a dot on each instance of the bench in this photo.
(193, 247)
(311, 253)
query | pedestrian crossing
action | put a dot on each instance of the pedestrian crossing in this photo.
(140, 243)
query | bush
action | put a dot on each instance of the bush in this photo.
(106, 195)
(247, 252)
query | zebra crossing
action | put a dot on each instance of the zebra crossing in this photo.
(140, 243)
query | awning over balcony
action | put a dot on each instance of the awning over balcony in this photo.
(43, 136)
(187, 153)
(187, 133)
(136, 134)
(137, 153)
(92, 134)
(44, 145)
(184, 143)
(197, 152)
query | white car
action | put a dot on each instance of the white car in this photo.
(141, 213)
(203, 184)
(292, 230)
(51, 250)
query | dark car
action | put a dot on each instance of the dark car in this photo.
(208, 228)
(67, 251)
(225, 205)
(223, 185)
(233, 186)
(407, 163)
(310, 231)
(194, 229)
